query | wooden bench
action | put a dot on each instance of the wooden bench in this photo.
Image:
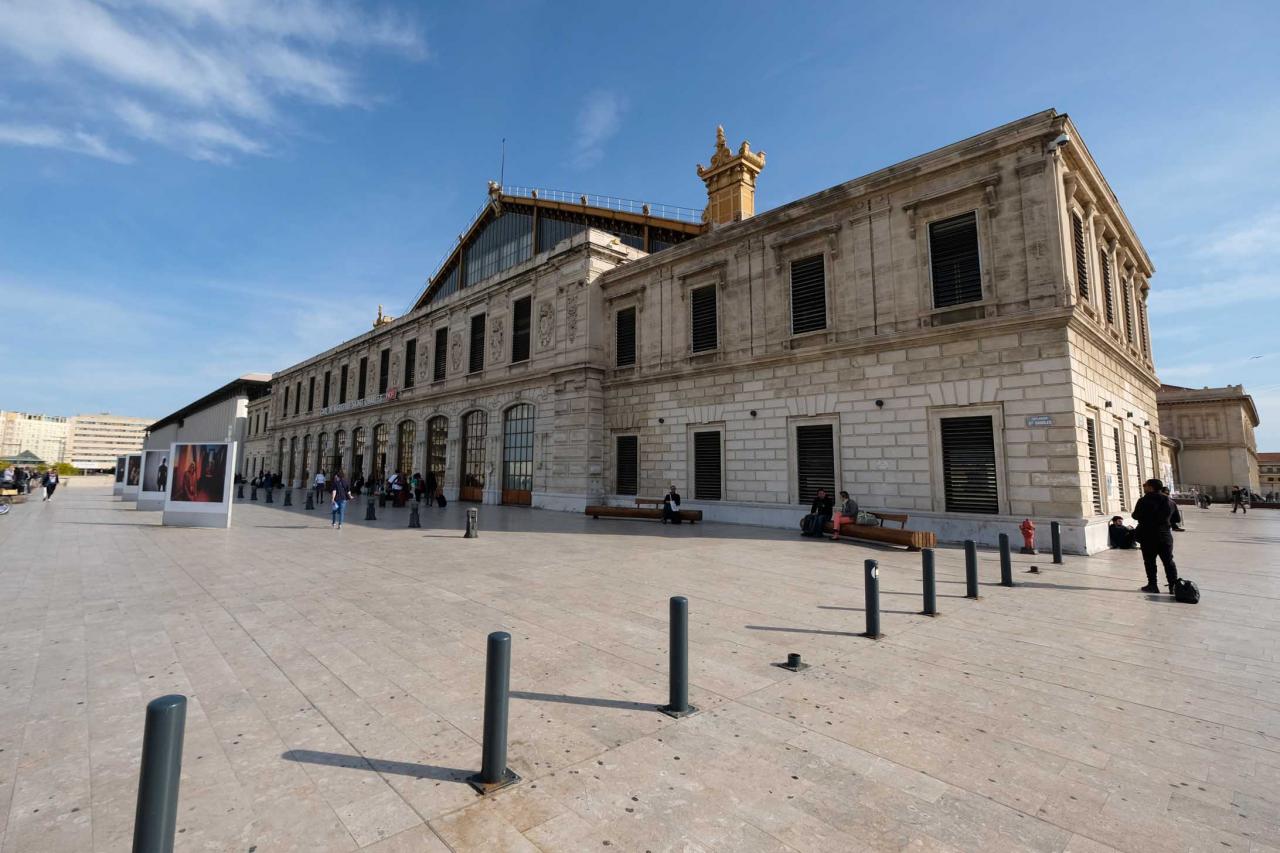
(690, 515)
(914, 540)
(649, 502)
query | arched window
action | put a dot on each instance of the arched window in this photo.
(280, 458)
(357, 453)
(322, 454)
(306, 460)
(437, 446)
(293, 460)
(339, 450)
(380, 435)
(517, 455)
(406, 435)
(475, 429)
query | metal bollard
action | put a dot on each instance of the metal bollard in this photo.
(311, 501)
(494, 773)
(971, 569)
(1006, 561)
(382, 499)
(930, 583)
(269, 500)
(473, 524)
(793, 663)
(157, 814)
(414, 519)
(369, 514)
(871, 582)
(679, 652)
(240, 491)
(253, 493)
(288, 497)
(1055, 532)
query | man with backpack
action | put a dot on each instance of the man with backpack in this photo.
(1154, 513)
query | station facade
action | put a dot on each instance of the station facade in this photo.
(962, 337)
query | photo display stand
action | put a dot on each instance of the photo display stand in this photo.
(155, 480)
(132, 476)
(118, 488)
(200, 484)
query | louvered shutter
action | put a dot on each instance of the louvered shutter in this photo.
(442, 355)
(521, 325)
(1095, 482)
(625, 337)
(1124, 501)
(1082, 265)
(969, 465)
(702, 309)
(808, 295)
(476, 362)
(1108, 290)
(954, 261)
(1128, 313)
(706, 466)
(628, 464)
(410, 363)
(815, 461)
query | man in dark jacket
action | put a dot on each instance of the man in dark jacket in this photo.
(1154, 513)
(671, 506)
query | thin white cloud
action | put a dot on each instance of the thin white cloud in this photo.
(599, 120)
(1246, 240)
(45, 136)
(210, 78)
(1217, 292)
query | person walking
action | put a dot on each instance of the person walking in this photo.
(1154, 513)
(50, 483)
(318, 485)
(1239, 500)
(340, 494)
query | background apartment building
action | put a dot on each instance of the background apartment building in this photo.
(43, 435)
(94, 441)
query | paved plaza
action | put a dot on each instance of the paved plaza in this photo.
(336, 685)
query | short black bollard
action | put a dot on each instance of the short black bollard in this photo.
(269, 500)
(930, 583)
(494, 773)
(414, 519)
(792, 663)
(1006, 561)
(679, 678)
(253, 493)
(971, 569)
(369, 514)
(240, 491)
(157, 815)
(1055, 532)
(288, 497)
(473, 524)
(871, 582)
(382, 499)
(311, 501)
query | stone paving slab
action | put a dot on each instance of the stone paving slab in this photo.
(336, 681)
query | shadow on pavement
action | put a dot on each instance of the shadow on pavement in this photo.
(398, 768)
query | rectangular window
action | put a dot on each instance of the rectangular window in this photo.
(1082, 264)
(311, 394)
(815, 461)
(441, 365)
(1095, 481)
(363, 380)
(476, 361)
(297, 398)
(1128, 313)
(286, 401)
(808, 295)
(628, 464)
(954, 260)
(1137, 455)
(1124, 502)
(343, 376)
(624, 325)
(410, 363)
(703, 323)
(1142, 325)
(1108, 290)
(969, 465)
(324, 395)
(521, 328)
(707, 466)
(384, 369)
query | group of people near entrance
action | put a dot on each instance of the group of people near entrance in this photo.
(20, 479)
(824, 511)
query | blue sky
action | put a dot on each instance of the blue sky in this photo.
(195, 189)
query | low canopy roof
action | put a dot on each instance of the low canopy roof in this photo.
(26, 457)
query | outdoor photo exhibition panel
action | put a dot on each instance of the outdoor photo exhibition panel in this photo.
(132, 476)
(200, 484)
(155, 479)
(118, 488)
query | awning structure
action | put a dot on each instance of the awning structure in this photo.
(26, 457)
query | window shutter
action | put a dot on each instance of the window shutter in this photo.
(311, 394)
(628, 464)
(286, 401)
(328, 380)
(703, 322)
(1128, 313)
(1142, 326)
(344, 377)
(297, 397)
(363, 381)
(815, 461)
(706, 466)
(521, 324)
(969, 465)
(954, 261)
(410, 363)
(442, 355)
(476, 360)
(1108, 291)
(1082, 265)
(625, 337)
(808, 295)
(1095, 481)
(1124, 502)
(384, 370)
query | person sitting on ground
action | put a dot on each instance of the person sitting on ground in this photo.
(847, 512)
(1119, 534)
(671, 506)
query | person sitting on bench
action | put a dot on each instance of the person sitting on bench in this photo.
(848, 511)
(819, 514)
(1119, 535)
(671, 506)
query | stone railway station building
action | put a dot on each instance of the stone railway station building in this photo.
(962, 336)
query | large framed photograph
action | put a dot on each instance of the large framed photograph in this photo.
(199, 478)
(132, 476)
(118, 488)
(155, 479)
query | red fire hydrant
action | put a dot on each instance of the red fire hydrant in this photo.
(1028, 536)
